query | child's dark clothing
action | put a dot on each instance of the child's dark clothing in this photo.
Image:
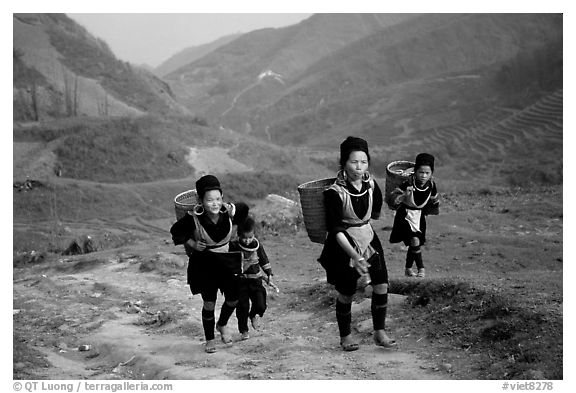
(409, 220)
(254, 262)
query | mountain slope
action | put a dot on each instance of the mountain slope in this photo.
(438, 65)
(306, 83)
(211, 83)
(191, 54)
(68, 72)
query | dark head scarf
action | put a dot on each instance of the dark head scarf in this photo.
(424, 159)
(352, 144)
(207, 183)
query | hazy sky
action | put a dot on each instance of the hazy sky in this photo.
(152, 38)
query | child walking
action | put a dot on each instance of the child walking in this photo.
(254, 262)
(352, 248)
(205, 234)
(415, 198)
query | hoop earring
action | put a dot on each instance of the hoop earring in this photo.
(366, 176)
(344, 175)
(224, 208)
(197, 208)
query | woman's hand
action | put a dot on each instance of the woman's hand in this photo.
(407, 196)
(197, 245)
(360, 264)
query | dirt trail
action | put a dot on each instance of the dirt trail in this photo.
(133, 307)
(201, 160)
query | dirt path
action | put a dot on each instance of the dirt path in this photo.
(133, 307)
(201, 159)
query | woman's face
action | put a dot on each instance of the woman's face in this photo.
(357, 165)
(423, 174)
(212, 201)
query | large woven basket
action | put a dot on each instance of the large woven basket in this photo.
(312, 201)
(396, 173)
(185, 202)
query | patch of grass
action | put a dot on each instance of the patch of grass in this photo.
(25, 358)
(524, 341)
(316, 297)
(257, 185)
(124, 150)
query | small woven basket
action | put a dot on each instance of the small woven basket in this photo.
(185, 202)
(396, 173)
(312, 201)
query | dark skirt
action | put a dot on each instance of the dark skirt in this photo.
(208, 270)
(401, 231)
(337, 265)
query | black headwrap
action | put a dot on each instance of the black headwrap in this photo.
(207, 183)
(424, 159)
(351, 144)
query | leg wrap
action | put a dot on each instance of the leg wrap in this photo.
(242, 314)
(344, 317)
(417, 252)
(225, 313)
(208, 323)
(409, 258)
(378, 308)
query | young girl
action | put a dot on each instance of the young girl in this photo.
(415, 198)
(254, 262)
(205, 234)
(352, 248)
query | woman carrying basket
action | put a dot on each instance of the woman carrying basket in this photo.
(205, 234)
(352, 248)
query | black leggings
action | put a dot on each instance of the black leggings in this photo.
(251, 290)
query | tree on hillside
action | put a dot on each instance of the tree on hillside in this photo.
(27, 81)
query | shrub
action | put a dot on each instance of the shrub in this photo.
(123, 150)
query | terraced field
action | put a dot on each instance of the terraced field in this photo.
(500, 138)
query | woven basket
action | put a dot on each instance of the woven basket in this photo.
(185, 202)
(396, 173)
(312, 202)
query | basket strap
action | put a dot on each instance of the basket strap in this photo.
(203, 235)
(349, 216)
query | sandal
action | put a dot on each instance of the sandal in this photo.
(348, 344)
(382, 340)
(210, 346)
(226, 339)
(255, 320)
(409, 273)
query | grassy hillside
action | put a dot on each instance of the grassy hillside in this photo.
(93, 58)
(121, 150)
(210, 84)
(468, 63)
(437, 70)
(81, 74)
